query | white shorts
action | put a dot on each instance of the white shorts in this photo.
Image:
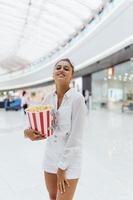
(72, 172)
(52, 157)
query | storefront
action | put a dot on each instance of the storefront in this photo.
(113, 87)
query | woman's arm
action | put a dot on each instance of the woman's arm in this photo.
(74, 144)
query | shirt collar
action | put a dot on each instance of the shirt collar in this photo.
(67, 94)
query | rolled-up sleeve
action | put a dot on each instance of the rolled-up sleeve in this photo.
(73, 147)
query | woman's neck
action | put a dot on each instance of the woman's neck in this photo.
(61, 90)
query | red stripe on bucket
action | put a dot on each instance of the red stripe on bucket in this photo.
(29, 120)
(42, 122)
(48, 122)
(35, 122)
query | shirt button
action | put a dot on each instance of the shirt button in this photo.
(55, 136)
(55, 141)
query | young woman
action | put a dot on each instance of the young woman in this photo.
(63, 155)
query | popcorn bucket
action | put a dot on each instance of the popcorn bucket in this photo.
(40, 119)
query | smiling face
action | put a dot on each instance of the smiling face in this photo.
(63, 73)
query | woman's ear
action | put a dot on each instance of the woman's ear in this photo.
(72, 76)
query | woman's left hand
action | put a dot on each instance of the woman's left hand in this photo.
(62, 182)
(32, 135)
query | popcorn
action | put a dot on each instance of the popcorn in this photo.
(40, 119)
(38, 108)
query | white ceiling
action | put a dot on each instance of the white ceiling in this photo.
(31, 29)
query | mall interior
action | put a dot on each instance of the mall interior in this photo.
(97, 36)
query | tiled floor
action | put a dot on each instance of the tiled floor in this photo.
(108, 159)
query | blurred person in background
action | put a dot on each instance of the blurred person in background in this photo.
(24, 101)
(63, 154)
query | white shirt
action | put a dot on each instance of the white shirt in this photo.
(65, 146)
(24, 100)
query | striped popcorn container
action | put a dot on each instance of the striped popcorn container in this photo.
(40, 119)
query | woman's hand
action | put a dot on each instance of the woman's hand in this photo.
(62, 182)
(32, 135)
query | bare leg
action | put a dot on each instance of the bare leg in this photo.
(51, 184)
(69, 193)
